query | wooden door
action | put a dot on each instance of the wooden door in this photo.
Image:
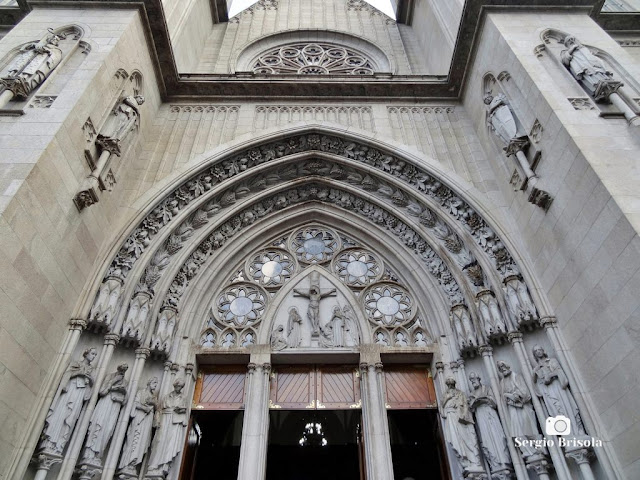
(309, 387)
(409, 387)
(220, 388)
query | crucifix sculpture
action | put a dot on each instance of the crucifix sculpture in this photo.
(314, 294)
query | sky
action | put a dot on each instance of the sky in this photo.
(382, 5)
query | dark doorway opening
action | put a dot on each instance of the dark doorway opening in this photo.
(213, 446)
(314, 445)
(416, 445)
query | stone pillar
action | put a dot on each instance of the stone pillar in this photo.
(562, 471)
(255, 426)
(44, 462)
(539, 464)
(75, 445)
(490, 365)
(581, 457)
(376, 428)
(111, 461)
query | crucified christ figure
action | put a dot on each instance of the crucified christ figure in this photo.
(314, 295)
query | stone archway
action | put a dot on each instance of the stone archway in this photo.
(149, 297)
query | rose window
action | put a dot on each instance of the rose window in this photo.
(388, 305)
(357, 268)
(314, 245)
(272, 268)
(241, 305)
(313, 59)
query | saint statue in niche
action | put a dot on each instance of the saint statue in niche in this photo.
(112, 396)
(123, 119)
(521, 418)
(459, 430)
(169, 438)
(588, 69)
(553, 386)
(337, 323)
(74, 391)
(492, 438)
(294, 328)
(32, 65)
(139, 431)
(502, 122)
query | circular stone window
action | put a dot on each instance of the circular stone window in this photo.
(241, 305)
(314, 245)
(388, 304)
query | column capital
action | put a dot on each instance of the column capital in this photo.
(378, 367)
(514, 337)
(439, 367)
(111, 339)
(539, 465)
(548, 321)
(580, 456)
(364, 367)
(77, 324)
(142, 352)
(266, 368)
(188, 368)
(45, 461)
(486, 350)
(454, 366)
(252, 367)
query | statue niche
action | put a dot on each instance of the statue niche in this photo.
(315, 314)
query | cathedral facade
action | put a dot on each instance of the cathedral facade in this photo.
(310, 240)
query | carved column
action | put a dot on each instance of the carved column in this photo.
(581, 456)
(44, 462)
(376, 428)
(111, 461)
(75, 445)
(560, 465)
(255, 426)
(539, 465)
(490, 365)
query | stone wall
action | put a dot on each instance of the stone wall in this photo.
(48, 249)
(585, 250)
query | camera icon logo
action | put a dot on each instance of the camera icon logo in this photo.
(558, 425)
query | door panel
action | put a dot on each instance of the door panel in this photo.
(220, 388)
(409, 387)
(292, 388)
(308, 387)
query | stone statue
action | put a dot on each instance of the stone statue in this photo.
(139, 431)
(588, 69)
(112, 396)
(352, 336)
(553, 386)
(314, 295)
(169, 437)
(74, 391)
(124, 118)
(338, 324)
(463, 326)
(326, 335)
(521, 418)
(492, 438)
(519, 301)
(459, 430)
(30, 68)
(294, 328)
(502, 122)
(106, 305)
(278, 342)
(136, 321)
(161, 340)
(492, 320)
